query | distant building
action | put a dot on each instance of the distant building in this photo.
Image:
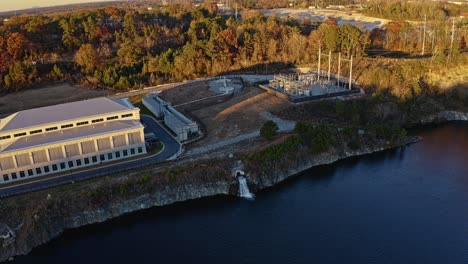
(458, 2)
(59, 138)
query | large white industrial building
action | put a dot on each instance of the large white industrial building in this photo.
(63, 137)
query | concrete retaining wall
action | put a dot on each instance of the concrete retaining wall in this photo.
(154, 104)
(182, 126)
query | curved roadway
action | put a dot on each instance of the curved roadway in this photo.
(171, 147)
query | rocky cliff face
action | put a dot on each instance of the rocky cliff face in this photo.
(34, 219)
(445, 116)
(281, 173)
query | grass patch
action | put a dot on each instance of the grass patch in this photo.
(276, 152)
(155, 148)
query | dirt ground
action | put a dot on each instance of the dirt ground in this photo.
(187, 93)
(238, 115)
(63, 93)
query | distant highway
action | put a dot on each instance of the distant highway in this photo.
(171, 148)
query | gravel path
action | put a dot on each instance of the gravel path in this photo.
(222, 144)
(283, 126)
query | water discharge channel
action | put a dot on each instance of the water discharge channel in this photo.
(244, 191)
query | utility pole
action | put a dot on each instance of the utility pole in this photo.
(350, 72)
(329, 64)
(236, 13)
(433, 40)
(320, 61)
(434, 53)
(424, 35)
(318, 66)
(453, 34)
(339, 68)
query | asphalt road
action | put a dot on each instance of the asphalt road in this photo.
(171, 147)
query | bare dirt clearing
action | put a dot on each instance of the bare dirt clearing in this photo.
(236, 116)
(63, 93)
(187, 93)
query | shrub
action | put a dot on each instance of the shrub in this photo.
(268, 130)
(319, 138)
(391, 133)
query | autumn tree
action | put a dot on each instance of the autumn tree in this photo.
(70, 35)
(5, 58)
(226, 44)
(130, 30)
(56, 74)
(353, 41)
(89, 26)
(128, 54)
(164, 63)
(295, 43)
(329, 33)
(16, 45)
(87, 57)
(17, 76)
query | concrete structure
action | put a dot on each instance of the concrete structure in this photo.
(63, 137)
(177, 122)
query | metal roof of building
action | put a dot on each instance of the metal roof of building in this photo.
(71, 134)
(61, 112)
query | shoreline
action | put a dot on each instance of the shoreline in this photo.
(328, 159)
(41, 221)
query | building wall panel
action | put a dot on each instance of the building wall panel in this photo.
(56, 153)
(7, 163)
(23, 160)
(134, 138)
(39, 156)
(119, 141)
(88, 147)
(103, 144)
(72, 150)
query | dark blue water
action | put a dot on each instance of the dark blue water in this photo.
(408, 205)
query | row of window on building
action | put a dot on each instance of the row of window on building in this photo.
(33, 132)
(72, 163)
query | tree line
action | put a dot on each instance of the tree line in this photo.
(122, 49)
(413, 10)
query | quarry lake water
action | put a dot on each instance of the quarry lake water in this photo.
(408, 205)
